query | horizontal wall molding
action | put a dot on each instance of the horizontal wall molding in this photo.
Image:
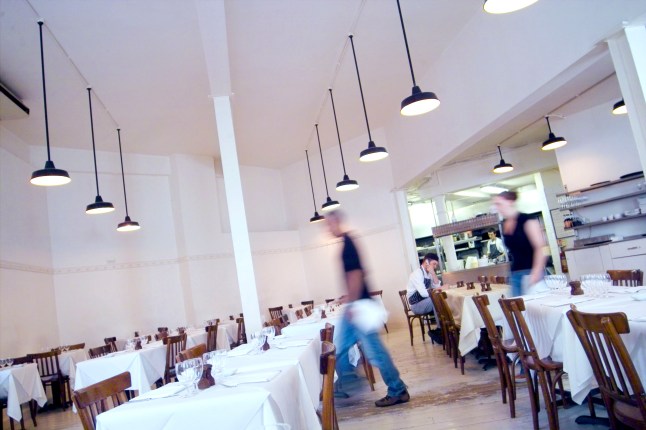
(10, 265)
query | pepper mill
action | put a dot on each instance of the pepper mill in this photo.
(265, 346)
(138, 344)
(206, 380)
(576, 289)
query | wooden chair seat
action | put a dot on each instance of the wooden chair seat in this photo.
(428, 318)
(100, 397)
(629, 415)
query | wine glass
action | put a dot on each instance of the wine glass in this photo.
(3, 362)
(188, 373)
(9, 362)
(269, 332)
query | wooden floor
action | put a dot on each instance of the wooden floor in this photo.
(441, 398)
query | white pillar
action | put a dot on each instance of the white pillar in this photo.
(447, 241)
(237, 214)
(628, 51)
(408, 237)
(552, 241)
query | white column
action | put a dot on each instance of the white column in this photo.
(552, 241)
(237, 214)
(408, 238)
(447, 241)
(628, 51)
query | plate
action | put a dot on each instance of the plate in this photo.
(633, 174)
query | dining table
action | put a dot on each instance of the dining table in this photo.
(277, 388)
(67, 361)
(146, 365)
(19, 384)
(466, 315)
(554, 336)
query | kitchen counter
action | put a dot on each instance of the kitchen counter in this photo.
(471, 275)
(625, 239)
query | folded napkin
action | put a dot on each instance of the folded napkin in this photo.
(572, 300)
(249, 378)
(243, 349)
(282, 344)
(168, 390)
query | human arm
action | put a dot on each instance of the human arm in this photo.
(354, 284)
(416, 283)
(534, 234)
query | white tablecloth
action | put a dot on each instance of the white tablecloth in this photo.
(466, 313)
(554, 336)
(291, 397)
(19, 384)
(67, 361)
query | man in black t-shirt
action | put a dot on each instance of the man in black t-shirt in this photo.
(347, 332)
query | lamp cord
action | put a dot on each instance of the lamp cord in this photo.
(322, 164)
(42, 67)
(549, 127)
(337, 132)
(123, 176)
(96, 175)
(500, 152)
(410, 62)
(311, 183)
(365, 113)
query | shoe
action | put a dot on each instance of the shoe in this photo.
(390, 401)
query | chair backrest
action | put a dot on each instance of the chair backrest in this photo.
(626, 278)
(299, 314)
(308, 303)
(404, 298)
(242, 333)
(611, 363)
(513, 310)
(482, 303)
(100, 397)
(21, 360)
(161, 335)
(327, 333)
(162, 329)
(501, 280)
(329, 301)
(111, 342)
(100, 351)
(277, 323)
(47, 363)
(483, 278)
(327, 363)
(76, 346)
(194, 352)
(174, 344)
(445, 310)
(212, 336)
(275, 312)
(308, 310)
(376, 293)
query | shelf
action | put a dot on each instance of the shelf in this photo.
(607, 184)
(592, 224)
(611, 199)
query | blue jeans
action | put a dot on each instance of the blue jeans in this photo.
(347, 334)
(516, 281)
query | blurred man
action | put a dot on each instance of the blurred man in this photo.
(420, 284)
(348, 332)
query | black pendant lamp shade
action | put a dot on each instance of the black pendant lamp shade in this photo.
(99, 206)
(128, 224)
(346, 184)
(373, 152)
(316, 217)
(619, 108)
(420, 102)
(506, 6)
(329, 203)
(502, 167)
(552, 141)
(50, 175)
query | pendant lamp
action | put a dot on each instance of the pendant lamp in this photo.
(316, 217)
(50, 175)
(329, 203)
(373, 152)
(552, 141)
(506, 6)
(346, 184)
(128, 224)
(619, 108)
(419, 102)
(502, 167)
(99, 206)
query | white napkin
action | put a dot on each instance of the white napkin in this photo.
(249, 378)
(290, 343)
(168, 390)
(368, 315)
(243, 349)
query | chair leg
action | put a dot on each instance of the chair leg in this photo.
(386, 327)
(421, 327)
(550, 400)
(33, 410)
(410, 330)
(532, 398)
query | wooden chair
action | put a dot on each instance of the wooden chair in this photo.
(410, 317)
(543, 367)
(277, 323)
(161, 335)
(452, 329)
(308, 310)
(100, 397)
(440, 323)
(327, 333)
(483, 279)
(100, 351)
(329, 301)
(212, 336)
(327, 364)
(367, 368)
(626, 278)
(33, 406)
(50, 374)
(500, 349)
(308, 303)
(380, 294)
(162, 329)
(501, 280)
(612, 366)
(196, 351)
(174, 344)
(112, 342)
(76, 346)
(275, 312)
(242, 335)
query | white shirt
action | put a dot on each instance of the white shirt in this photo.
(416, 282)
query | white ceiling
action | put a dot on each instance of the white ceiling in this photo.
(146, 64)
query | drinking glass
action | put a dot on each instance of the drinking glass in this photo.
(9, 362)
(130, 345)
(217, 360)
(188, 373)
(269, 332)
(3, 362)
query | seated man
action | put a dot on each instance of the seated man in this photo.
(420, 283)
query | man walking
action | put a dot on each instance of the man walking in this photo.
(348, 332)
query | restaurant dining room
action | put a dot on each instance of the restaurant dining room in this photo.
(322, 214)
